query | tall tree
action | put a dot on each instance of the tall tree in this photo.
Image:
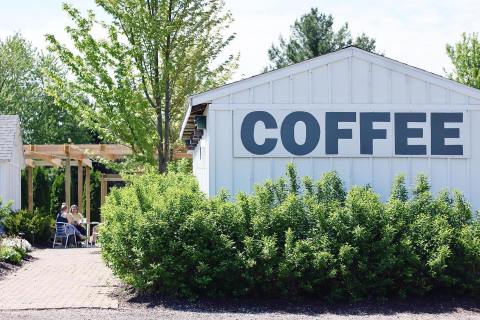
(132, 86)
(22, 92)
(465, 57)
(313, 35)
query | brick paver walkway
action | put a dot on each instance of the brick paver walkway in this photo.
(60, 278)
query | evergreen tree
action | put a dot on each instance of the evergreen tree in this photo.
(312, 36)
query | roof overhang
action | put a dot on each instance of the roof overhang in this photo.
(188, 125)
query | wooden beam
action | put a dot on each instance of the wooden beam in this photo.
(80, 186)
(112, 177)
(182, 155)
(53, 154)
(48, 158)
(80, 151)
(68, 179)
(30, 188)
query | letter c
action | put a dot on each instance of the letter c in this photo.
(247, 132)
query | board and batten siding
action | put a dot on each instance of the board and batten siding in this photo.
(340, 84)
(10, 188)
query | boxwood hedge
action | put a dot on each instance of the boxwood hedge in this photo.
(290, 239)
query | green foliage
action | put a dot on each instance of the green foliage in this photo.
(57, 193)
(313, 36)
(399, 190)
(465, 57)
(31, 224)
(5, 209)
(180, 166)
(131, 86)
(162, 234)
(22, 92)
(11, 255)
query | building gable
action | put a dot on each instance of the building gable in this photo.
(342, 77)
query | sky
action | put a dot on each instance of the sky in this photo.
(411, 31)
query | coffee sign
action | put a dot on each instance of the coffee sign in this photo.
(286, 133)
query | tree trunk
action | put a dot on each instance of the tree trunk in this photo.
(160, 146)
(158, 109)
(166, 150)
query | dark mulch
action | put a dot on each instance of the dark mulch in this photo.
(435, 304)
(7, 268)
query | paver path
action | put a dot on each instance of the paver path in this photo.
(60, 278)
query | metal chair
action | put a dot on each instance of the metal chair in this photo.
(95, 233)
(63, 231)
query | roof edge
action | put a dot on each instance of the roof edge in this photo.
(186, 116)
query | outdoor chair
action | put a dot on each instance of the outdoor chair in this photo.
(63, 231)
(95, 233)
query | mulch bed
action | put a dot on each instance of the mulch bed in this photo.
(434, 304)
(7, 268)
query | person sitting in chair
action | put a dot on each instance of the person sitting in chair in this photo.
(63, 216)
(75, 218)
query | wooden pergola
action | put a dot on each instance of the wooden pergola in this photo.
(67, 156)
(79, 155)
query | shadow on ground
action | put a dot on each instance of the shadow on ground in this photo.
(433, 305)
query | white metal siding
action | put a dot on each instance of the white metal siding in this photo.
(201, 162)
(10, 188)
(350, 80)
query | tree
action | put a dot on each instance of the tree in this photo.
(132, 86)
(22, 92)
(312, 36)
(465, 57)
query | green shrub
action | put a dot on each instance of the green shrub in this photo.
(289, 239)
(31, 224)
(11, 255)
(5, 210)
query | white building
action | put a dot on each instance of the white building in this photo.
(11, 160)
(364, 115)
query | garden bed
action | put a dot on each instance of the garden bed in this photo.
(7, 268)
(14, 253)
(437, 305)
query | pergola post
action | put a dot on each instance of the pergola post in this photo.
(30, 188)
(87, 194)
(103, 189)
(103, 193)
(80, 186)
(68, 177)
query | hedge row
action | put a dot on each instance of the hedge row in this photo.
(290, 239)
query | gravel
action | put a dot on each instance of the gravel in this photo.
(135, 307)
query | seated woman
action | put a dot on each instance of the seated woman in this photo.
(75, 218)
(63, 217)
